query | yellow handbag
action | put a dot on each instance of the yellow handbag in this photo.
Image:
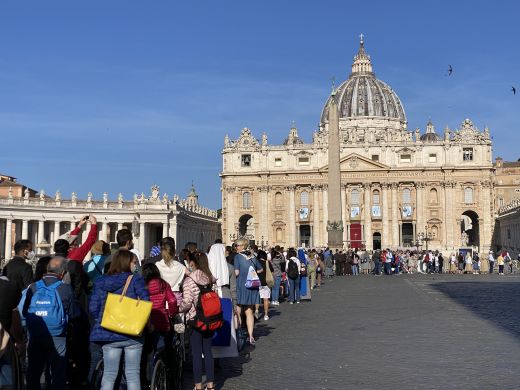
(125, 315)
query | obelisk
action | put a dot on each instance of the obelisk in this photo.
(334, 224)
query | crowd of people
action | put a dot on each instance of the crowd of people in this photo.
(55, 329)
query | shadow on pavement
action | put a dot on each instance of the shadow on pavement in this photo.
(496, 302)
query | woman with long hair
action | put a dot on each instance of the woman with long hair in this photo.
(247, 298)
(123, 265)
(171, 270)
(200, 342)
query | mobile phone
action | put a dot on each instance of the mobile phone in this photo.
(85, 218)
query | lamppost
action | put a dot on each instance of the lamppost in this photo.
(425, 237)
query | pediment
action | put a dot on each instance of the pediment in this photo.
(357, 162)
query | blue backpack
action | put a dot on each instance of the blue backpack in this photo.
(45, 314)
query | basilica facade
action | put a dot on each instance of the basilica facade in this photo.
(364, 177)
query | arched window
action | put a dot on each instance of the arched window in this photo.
(434, 196)
(407, 196)
(278, 199)
(279, 234)
(375, 197)
(246, 200)
(355, 197)
(304, 198)
(435, 232)
(468, 195)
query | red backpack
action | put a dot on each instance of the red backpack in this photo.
(209, 310)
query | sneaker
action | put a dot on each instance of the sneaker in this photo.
(266, 318)
(291, 302)
(297, 301)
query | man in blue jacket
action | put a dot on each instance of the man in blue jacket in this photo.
(48, 306)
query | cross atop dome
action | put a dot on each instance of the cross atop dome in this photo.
(361, 64)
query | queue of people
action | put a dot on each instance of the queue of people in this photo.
(53, 312)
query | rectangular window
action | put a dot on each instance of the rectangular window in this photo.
(304, 161)
(432, 158)
(500, 202)
(278, 162)
(467, 154)
(246, 160)
(375, 157)
(406, 158)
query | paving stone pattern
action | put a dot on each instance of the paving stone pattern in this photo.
(389, 332)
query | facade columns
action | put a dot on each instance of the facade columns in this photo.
(104, 232)
(25, 229)
(173, 230)
(419, 211)
(316, 231)
(395, 216)
(264, 212)
(450, 218)
(119, 226)
(8, 238)
(292, 216)
(230, 212)
(368, 217)
(343, 213)
(325, 200)
(385, 239)
(485, 238)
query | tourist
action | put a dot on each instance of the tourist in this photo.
(171, 270)
(184, 257)
(17, 270)
(469, 263)
(247, 298)
(264, 291)
(460, 262)
(200, 342)
(292, 266)
(125, 240)
(500, 262)
(341, 260)
(10, 323)
(320, 271)
(312, 264)
(476, 264)
(329, 263)
(76, 252)
(355, 263)
(46, 320)
(491, 260)
(277, 262)
(453, 263)
(123, 265)
(95, 266)
(376, 258)
(441, 262)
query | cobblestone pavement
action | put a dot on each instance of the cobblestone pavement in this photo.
(389, 332)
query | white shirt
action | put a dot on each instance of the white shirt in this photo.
(172, 274)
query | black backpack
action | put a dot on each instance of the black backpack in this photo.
(292, 270)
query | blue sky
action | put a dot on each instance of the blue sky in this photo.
(117, 95)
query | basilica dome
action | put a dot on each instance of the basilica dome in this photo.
(363, 95)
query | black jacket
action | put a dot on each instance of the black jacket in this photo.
(10, 295)
(19, 272)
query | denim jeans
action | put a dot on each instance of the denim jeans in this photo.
(43, 351)
(111, 358)
(355, 269)
(276, 288)
(201, 344)
(388, 268)
(491, 266)
(377, 268)
(294, 289)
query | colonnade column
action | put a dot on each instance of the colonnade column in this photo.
(57, 231)
(25, 229)
(325, 199)
(8, 238)
(119, 226)
(292, 217)
(173, 230)
(385, 239)
(316, 231)
(104, 232)
(395, 216)
(142, 232)
(40, 238)
(165, 229)
(368, 218)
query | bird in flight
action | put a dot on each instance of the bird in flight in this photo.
(513, 89)
(450, 70)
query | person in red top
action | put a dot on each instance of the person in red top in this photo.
(78, 253)
(164, 308)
